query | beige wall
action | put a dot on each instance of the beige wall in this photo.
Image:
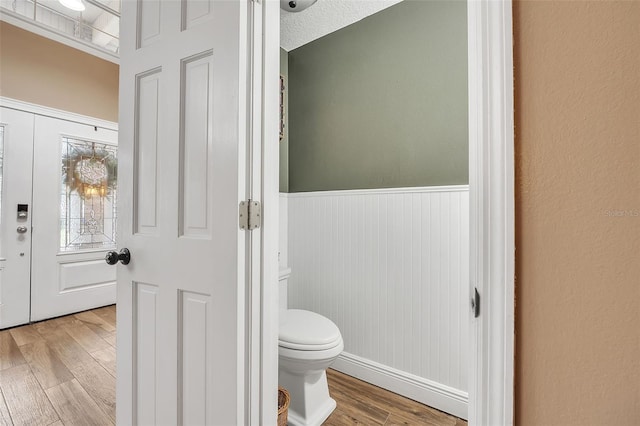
(577, 212)
(37, 70)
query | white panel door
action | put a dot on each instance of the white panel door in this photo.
(74, 200)
(181, 169)
(16, 153)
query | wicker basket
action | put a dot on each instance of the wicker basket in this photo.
(283, 406)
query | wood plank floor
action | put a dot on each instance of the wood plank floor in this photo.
(62, 372)
(361, 403)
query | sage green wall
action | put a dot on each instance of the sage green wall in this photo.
(382, 103)
(284, 142)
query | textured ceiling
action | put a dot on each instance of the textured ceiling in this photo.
(324, 17)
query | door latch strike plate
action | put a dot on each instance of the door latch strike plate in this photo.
(475, 303)
(250, 215)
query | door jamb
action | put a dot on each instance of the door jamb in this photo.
(267, 12)
(492, 216)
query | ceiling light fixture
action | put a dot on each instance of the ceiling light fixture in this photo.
(76, 5)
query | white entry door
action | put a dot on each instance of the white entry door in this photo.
(57, 197)
(16, 153)
(181, 170)
(74, 220)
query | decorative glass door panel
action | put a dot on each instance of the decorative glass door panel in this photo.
(88, 195)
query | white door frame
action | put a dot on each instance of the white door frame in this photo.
(266, 40)
(492, 217)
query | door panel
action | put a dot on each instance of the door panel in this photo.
(195, 145)
(145, 212)
(15, 248)
(73, 217)
(182, 145)
(145, 322)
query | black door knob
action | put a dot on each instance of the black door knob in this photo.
(113, 257)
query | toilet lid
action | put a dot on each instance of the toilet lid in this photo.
(306, 330)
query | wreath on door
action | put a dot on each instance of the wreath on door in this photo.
(90, 171)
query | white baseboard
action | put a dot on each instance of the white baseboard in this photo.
(433, 394)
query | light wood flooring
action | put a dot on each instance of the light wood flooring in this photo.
(360, 403)
(62, 372)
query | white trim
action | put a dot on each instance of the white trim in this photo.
(348, 192)
(492, 236)
(255, 315)
(56, 113)
(46, 31)
(269, 76)
(448, 399)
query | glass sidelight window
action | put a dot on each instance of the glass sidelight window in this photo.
(88, 195)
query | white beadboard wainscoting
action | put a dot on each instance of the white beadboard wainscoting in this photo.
(390, 268)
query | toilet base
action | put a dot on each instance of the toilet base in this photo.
(321, 414)
(310, 403)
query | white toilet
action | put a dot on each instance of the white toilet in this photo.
(308, 343)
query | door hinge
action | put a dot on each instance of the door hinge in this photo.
(475, 303)
(250, 214)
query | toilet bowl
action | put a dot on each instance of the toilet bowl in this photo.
(308, 344)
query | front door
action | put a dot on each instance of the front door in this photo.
(181, 171)
(73, 217)
(57, 198)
